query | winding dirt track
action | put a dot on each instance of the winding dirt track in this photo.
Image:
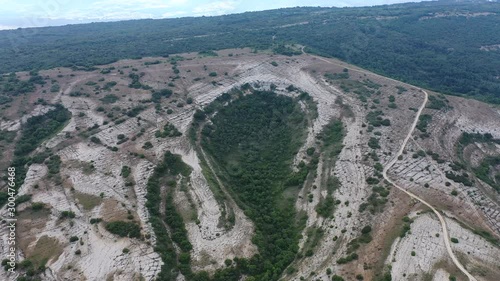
(445, 235)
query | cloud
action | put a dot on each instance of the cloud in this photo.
(46, 12)
(174, 14)
(215, 8)
(100, 15)
(135, 4)
(6, 27)
(114, 10)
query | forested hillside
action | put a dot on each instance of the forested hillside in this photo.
(450, 47)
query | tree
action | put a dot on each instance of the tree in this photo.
(337, 278)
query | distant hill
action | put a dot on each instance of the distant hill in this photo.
(451, 47)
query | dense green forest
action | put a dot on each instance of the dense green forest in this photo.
(253, 141)
(454, 53)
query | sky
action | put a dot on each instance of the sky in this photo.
(35, 13)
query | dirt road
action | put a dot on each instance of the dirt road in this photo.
(445, 235)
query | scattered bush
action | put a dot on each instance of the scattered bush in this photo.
(124, 229)
(37, 206)
(110, 98)
(367, 229)
(67, 214)
(337, 278)
(147, 145)
(95, 220)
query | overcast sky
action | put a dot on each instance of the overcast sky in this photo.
(29, 13)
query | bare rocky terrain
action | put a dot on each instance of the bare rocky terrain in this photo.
(92, 184)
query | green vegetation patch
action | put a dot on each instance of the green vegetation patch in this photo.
(7, 136)
(459, 178)
(337, 76)
(110, 98)
(169, 130)
(286, 50)
(438, 102)
(376, 201)
(11, 85)
(406, 226)
(423, 122)
(165, 174)
(36, 130)
(485, 173)
(136, 84)
(253, 141)
(124, 229)
(355, 243)
(484, 170)
(331, 137)
(157, 95)
(375, 119)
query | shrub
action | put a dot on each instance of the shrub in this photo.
(125, 171)
(371, 180)
(124, 229)
(373, 143)
(95, 140)
(95, 220)
(109, 98)
(36, 206)
(23, 198)
(454, 240)
(347, 259)
(147, 145)
(337, 278)
(73, 239)
(366, 229)
(67, 214)
(199, 115)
